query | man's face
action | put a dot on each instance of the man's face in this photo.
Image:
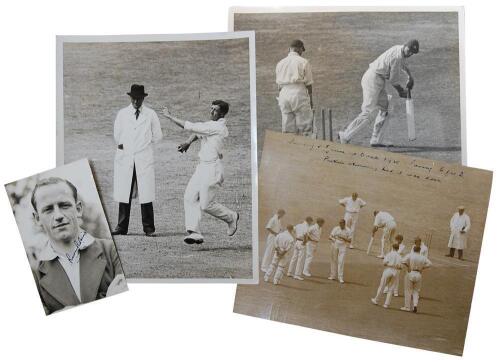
(354, 196)
(281, 214)
(461, 211)
(136, 102)
(57, 212)
(342, 224)
(418, 242)
(407, 52)
(215, 112)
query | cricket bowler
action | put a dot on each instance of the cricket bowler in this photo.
(199, 195)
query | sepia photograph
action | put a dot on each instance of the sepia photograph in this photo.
(66, 237)
(168, 122)
(387, 78)
(367, 243)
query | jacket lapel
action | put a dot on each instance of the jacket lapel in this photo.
(92, 266)
(56, 282)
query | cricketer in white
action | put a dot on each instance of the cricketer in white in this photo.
(386, 67)
(281, 245)
(273, 228)
(295, 82)
(415, 263)
(340, 237)
(352, 204)
(296, 266)
(200, 191)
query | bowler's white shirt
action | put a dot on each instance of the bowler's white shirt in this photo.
(416, 261)
(314, 232)
(337, 231)
(294, 69)
(393, 259)
(389, 63)
(284, 241)
(382, 219)
(137, 134)
(352, 206)
(274, 224)
(301, 230)
(212, 135)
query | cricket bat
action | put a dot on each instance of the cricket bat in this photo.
(410, 117)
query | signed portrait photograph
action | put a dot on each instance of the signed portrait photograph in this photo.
(367, 243)
(66, 237)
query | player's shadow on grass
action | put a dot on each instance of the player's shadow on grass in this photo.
(284, 285)
(421, 149)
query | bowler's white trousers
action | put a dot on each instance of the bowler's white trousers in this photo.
(413, 283)
(296, 112)
(388, 279)
(297, 262)
(374, 98)
(200, 193)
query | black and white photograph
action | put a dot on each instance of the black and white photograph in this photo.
(167, 122)
(66, 237)
(367, 243)
(386, 78)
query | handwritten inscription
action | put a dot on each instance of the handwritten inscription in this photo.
(418, 169)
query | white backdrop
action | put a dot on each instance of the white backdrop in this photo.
(178, 322)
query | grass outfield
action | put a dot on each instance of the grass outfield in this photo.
(186, 76)
(340, 47)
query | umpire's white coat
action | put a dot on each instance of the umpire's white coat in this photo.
(136, 137)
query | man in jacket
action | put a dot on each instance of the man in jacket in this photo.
(74, 267)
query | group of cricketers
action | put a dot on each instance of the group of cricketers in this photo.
(294, 78)
(291, 250)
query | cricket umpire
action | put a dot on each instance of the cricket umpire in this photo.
(294, 79)
(386, 67)
(136, 128)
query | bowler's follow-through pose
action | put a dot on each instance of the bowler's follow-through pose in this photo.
(200, 192)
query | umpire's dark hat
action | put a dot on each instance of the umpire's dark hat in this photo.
(137, 91)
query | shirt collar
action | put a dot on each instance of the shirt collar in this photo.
(293, 53)
(83, 241)
(133, 108)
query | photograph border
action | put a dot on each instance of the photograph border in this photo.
(250, 35)
(345, 9)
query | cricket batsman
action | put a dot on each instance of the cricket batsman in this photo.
(386, 67)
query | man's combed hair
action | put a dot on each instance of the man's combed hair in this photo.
(52, 181)
(224, 106)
